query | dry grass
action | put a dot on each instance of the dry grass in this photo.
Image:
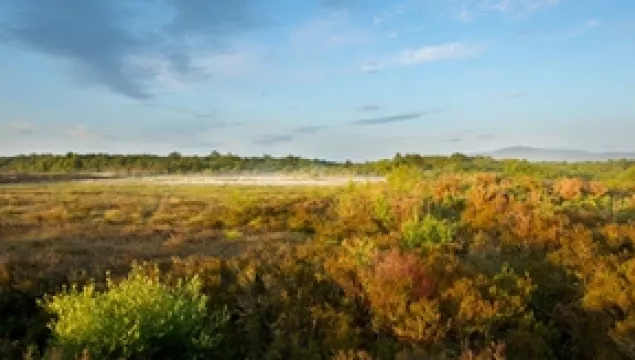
(66, 227)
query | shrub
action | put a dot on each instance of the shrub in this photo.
(427, 231)
(139, 317)
(404, 178)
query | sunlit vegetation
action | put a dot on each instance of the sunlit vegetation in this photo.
(531, 261)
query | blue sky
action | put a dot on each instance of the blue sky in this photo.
(337, 79)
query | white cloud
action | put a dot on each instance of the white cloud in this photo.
(425, 54)
(468, 10)
(523, 6)
(455, 50)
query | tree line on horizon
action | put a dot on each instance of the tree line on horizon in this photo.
(175, 163)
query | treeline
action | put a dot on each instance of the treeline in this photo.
(216, 162)
(172, 163)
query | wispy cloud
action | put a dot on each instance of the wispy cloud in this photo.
(518, 5)
(371, 66)
(309, 129)
(425, 54)
(242, 61)
(395, 118)
(581, 29)
(20, 127)
(468, 10)
(80, 132)
(369, 108)
(389, 14)
(269, 140)
(335, 29)
(566, 33)
(182, 111)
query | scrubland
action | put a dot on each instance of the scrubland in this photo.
(456, 266)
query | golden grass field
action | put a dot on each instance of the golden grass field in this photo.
(66, 226)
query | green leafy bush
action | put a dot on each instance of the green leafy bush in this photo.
(427, 231)
(404, 178)
(139, 317)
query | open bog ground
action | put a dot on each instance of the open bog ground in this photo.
(104, 223)
(269, 180)
(260, 179)
(71, 223)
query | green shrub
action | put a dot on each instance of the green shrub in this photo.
(427, 231)
(139, 317)
(382, 210)
(404, 178)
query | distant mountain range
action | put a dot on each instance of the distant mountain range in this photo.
(537, 154)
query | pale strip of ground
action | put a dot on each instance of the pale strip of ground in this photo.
(247, 180)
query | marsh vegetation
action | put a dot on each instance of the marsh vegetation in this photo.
(458, 265)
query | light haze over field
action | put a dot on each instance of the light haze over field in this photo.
(334, 79)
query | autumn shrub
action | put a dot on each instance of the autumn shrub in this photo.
(139, 317)
(611, 293)
(399, 289)
(569, 188)
(284, 304)
(352, 214)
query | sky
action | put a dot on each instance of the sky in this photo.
(331, 79)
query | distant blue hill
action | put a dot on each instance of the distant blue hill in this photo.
(537, 154)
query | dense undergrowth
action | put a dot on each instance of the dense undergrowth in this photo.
(478, 266)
